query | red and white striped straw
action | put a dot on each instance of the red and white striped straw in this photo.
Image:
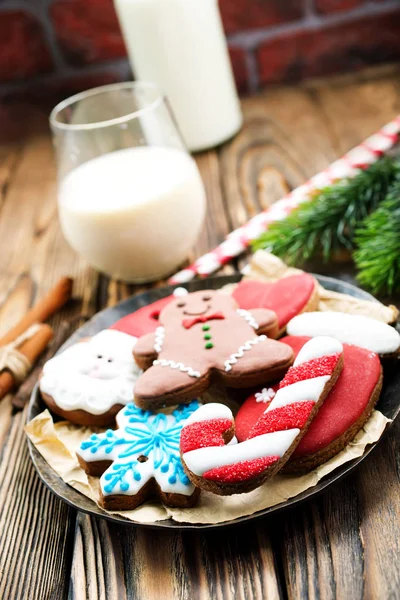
(361, 157)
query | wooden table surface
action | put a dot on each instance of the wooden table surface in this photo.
(346, 543)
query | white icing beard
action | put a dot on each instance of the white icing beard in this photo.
(93, 376)
(358, 330)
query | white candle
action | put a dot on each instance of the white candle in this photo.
(180, 44)
(134, 213)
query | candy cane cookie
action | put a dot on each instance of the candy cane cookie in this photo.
(213, 459)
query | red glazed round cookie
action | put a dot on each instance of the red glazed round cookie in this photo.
(287, 297)
(340, 418)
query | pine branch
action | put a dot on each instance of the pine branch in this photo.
(378, 240)
(328, 221)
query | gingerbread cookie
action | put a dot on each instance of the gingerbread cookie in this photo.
(215, 464)
(92, 380)
(358, 330)
(203, 337)
(287, 297)
(140, 459)
(340, 417)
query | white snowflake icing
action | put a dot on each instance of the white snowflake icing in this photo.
(265, 395)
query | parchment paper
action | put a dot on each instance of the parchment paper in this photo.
(57, 443)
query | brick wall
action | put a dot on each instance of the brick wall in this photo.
(50, 48)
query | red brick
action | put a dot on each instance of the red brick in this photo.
(238, 60)
(50, 93)
(341, 48)
(333, 6)
(24, 52)
(87, 30)
(239, 15)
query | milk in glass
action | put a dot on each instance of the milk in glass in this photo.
(133, 213)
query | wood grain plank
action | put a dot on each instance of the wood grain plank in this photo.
(35, 527)
(233, 564)
(379, 510)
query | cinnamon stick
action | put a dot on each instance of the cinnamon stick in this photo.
(32, 349)
(42, 310)
(21, 397)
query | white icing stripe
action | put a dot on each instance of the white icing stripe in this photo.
(350, 329)
(177, 365)
(269, 444)
(159, 339)
(248, 317)
(301, 391)
(232, 360)
(213, 410)
(318, 347)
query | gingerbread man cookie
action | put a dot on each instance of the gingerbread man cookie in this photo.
(204, 337)
(140, 459)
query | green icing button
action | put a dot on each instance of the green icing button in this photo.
(206, 328)
(207, 336)
(209, 345)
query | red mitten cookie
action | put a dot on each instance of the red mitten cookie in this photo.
(204, 337)
(340, 418)
(287, 297)
(212, 459)
(144, 320)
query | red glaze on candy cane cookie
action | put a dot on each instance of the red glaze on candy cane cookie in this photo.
(213, 459)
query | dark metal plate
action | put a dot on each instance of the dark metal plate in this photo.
(389, 405)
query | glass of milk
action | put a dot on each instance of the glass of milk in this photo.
(131, 200)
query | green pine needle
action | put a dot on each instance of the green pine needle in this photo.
(328, 221)
(378, 240)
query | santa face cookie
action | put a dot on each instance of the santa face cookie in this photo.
(358, 330)
(287, 297)
(203, 337)
(339, 419)
(91, 381)
(215, 462)
(140, 459)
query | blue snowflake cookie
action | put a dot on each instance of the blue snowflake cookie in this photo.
(140, 459)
